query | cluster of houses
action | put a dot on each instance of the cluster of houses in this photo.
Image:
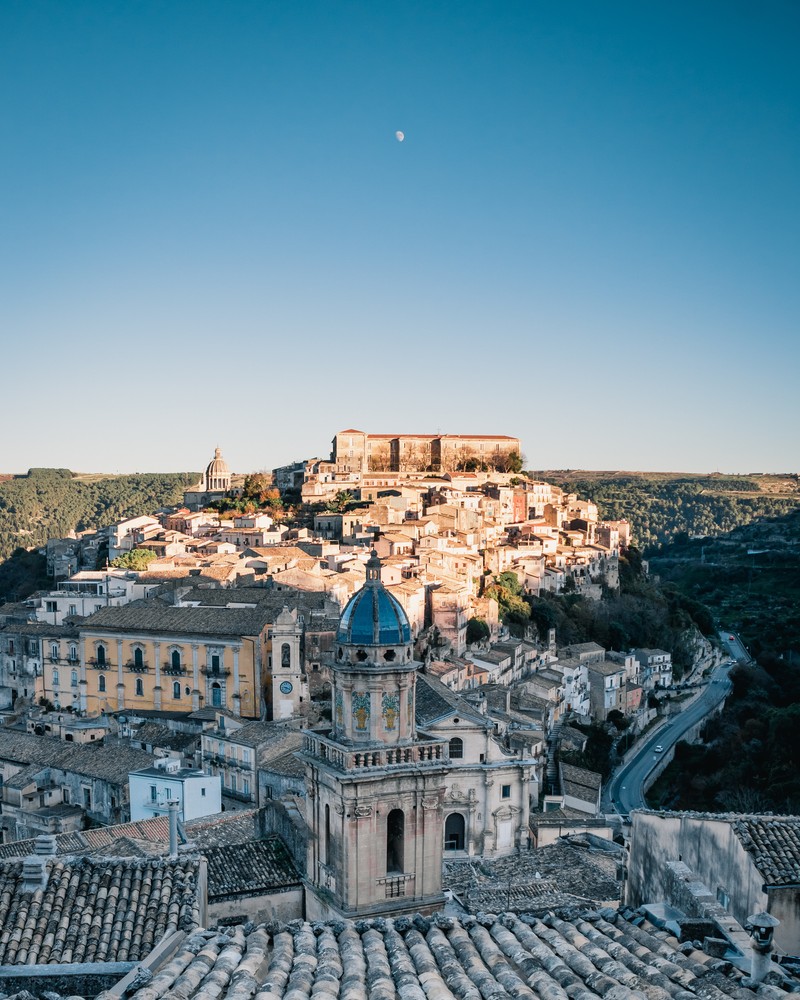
(291, 729)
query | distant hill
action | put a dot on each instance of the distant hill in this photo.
(50, 503)
(661, 505)
(748, 577)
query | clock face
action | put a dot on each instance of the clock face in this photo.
(286, 687)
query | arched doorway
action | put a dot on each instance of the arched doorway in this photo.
(454, 832)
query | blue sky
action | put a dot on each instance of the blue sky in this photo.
(211, 236)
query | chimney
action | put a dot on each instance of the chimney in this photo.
(173, 806)
(34, 867)
(761, 927)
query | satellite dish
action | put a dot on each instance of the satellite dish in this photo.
(399, 136)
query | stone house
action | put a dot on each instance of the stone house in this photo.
(748, 863)
(606, 688)
(48, 783)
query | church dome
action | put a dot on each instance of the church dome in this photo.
(372, 617)
(218, 475)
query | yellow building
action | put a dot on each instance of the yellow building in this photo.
(150, 655)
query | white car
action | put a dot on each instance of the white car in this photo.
(658, 749)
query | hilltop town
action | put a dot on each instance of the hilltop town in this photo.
(301, 697)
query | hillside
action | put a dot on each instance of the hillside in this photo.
(661, 505)
(750, 755)
(49, 503)
(748, 577)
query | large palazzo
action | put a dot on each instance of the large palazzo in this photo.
(376, 787)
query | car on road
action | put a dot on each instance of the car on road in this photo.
(658, 749)
(731, 638)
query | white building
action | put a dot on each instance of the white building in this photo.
(153, 788)
(89, 591)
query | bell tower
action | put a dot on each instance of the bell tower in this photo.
(375, 785)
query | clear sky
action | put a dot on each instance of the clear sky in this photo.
(210, 235)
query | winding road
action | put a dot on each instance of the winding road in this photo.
(625, 788)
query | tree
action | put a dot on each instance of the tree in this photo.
(137, 560)
(477, 629)
(340, 502)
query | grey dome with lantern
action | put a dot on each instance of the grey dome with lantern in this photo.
(372, 617)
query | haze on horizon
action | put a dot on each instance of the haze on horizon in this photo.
(212, 236)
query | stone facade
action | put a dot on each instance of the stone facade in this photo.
(375, 786)
(356, 451)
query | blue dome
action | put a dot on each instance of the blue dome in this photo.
(372, 617)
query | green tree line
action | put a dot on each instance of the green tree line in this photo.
(660, 507)
(50, 503)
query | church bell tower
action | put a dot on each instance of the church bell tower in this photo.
(375, 785)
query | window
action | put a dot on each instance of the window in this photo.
(139, 687)
(55, 677)
(202, 793)
(176, 689)
(74, 678)
(101, 683)
(153, 793)
(505, 791)
(101, 654)
(73, 652)
(456, 747)
(454, 832)
(395, 833)
(328, 840)
(138, 657)
(245, 755)
(216, 695)
(176, 661)
(51, 607)
(54, 650)
(245, 786)
(73, 609)
(215, 662)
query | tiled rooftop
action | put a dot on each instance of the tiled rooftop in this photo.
(152, 615)
(259, 865)
(95, 910)
(104, 762)
(774, 845)
(585, 874)
(106, 838)
(593, 954)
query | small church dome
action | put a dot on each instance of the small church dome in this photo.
(372, 617)
(218, 475)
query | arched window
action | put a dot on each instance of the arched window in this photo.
(74, 678)
(138, 657)
(454, 832)
(216, 695)
(73, 652)
(395, 833)
(101, 683)
(55, 677)
(54, 650)
(176, 659)
(139, 687)
(176, 689)
(286, 655)
(101, 654)
(456, 748)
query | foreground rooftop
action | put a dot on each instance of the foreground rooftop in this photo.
(594, 953)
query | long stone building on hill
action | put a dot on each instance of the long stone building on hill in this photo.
(357, 451)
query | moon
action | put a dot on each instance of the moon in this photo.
(399, 136)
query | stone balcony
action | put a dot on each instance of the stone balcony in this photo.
(414, 754)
